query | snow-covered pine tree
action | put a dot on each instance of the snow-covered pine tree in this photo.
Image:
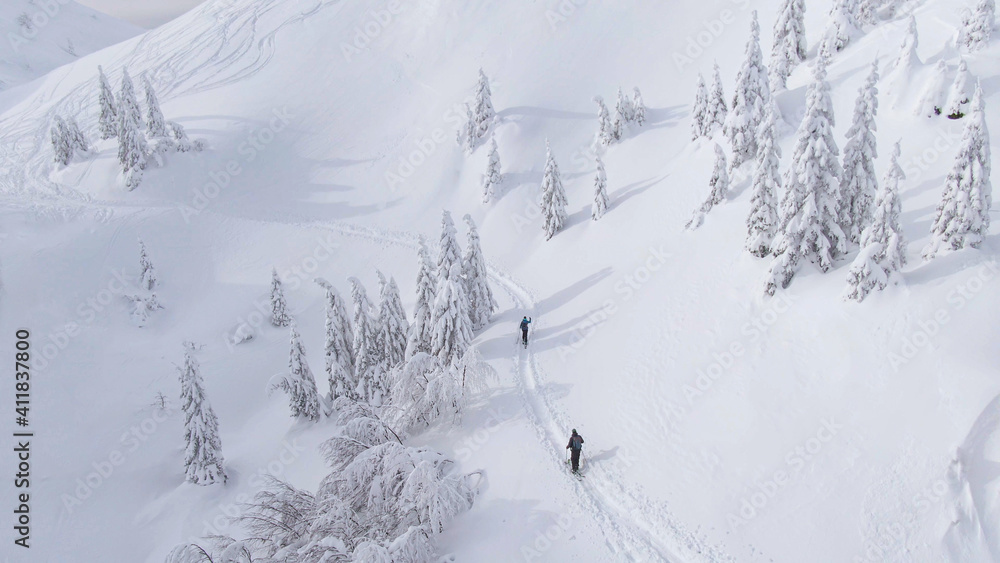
(859, 185)
(279, 309)
(867, 12)
(420, 331)
(977, 26)
(76, 137)
(699, 112)
(717, 110)
(367, 370)
(933, 99)
(750, 100)
(147, 277)
(449, 253)
(299, 383)
(477, 283)
(638, 107)
(203, 451)
(789, 46)
(483, 113)
(718, 186)
(451, 327)
(963, 216)
(553, 200)
(883, 249)
(467, 136)
(338, 350)
(810, 226)
(762, 222)
(605, 128)
(623, 115)
(155, 124)
(62, 148)
(108, 120)
(600, 206)
(181, 141)
(392, 325)
(843, 24)
(132, 148)
(493, 177)
(958, 98)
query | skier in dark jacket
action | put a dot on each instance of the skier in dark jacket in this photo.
(524, 330)
(575, 446)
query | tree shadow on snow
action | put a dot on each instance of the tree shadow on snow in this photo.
(543, 112)
(565, 295)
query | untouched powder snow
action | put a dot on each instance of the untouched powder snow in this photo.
(720, 424)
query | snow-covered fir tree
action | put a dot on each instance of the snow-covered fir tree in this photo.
(963, 216)
(958, 97)
(600, 206)
(108, 118)
(718, 187)
(279, 309)
(147, 277)
(392, 324)
(977, 26)
(762, 222)
(203, 451)
(934, 96)
(367, 364)
(467, 136)
(789, 46)
(699, 111)
(76, 137)
(843, 25)
(449, 253)
(477, 283)
(859, 185)
(420, 331)
(866, 12)
(605, 128)
(717, 109)
(62, 148)
(338, 349)
(750, 100)
(451, 327)
(623, 115)
(299, 383)
(155, 124)
(883, 249)
(132, 148)
(553, 200)
(483, 111)
(638, 107)
(810, 226)
(493, 177)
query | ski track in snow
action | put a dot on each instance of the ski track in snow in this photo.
(634, 527)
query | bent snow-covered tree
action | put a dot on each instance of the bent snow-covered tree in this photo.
(147, 277)
(810, 227)
(883, 249)
(750, 100)
(789, 45)
(299, 383)
(108, 117)
(858, 185)
(600, 206)
(279, 309)
(493, 177)
(451, 327)
(420, 331)
(718, 187)
(844, 24)
(367, 357)
(477, 283)
(392, 325)
(338, 351)
(553, 200)
(762, 222)
(977, 26)
(963, 216)
(203, 451)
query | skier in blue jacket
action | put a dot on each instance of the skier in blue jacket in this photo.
(575, 446)
(524, 330)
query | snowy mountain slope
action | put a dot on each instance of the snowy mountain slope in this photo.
(717, 422)
(40, 36)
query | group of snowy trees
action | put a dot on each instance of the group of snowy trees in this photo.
(388, 378)
(553, 200)
(120, 117)
(827, 206)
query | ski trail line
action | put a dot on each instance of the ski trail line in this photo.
(634, 528)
